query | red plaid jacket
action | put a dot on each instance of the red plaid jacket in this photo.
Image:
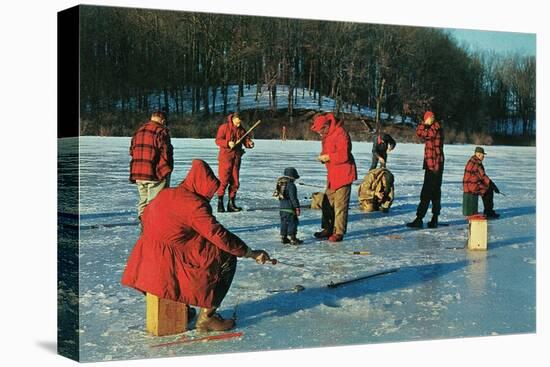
(475, 180)
(152, 153)
(433, 148)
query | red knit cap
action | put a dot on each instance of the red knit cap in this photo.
(428, 114)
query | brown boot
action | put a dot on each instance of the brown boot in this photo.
(209, 320)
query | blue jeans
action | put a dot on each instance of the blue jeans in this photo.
(289, 223)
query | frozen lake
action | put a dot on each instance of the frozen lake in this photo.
(439, 291)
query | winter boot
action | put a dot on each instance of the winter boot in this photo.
(336, 237)
(221, 209)
(209, 320)
(231, 207)
(323, 234)
(416, 223)
(433, 223)
(285, 240)
(191, 313)
(491, 214)
(295, 241)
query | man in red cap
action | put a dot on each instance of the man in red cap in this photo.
(152, 159)
(229, 159)
(432, 134)
(341, 172)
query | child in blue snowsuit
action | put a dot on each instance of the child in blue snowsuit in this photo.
(289, 205)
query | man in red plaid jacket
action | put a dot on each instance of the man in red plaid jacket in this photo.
(477, 183)
(432, 134)
(152, 159)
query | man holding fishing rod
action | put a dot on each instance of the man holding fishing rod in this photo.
(184, 254)
(231, 138)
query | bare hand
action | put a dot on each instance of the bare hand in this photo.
(231, 144)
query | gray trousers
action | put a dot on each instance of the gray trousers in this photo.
(148, 190)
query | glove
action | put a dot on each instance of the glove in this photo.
(259, 255)
(495, 188)
(323, 158)
(298, 211)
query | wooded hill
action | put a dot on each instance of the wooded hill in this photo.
(137, 60)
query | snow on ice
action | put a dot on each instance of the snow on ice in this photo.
(439, 291)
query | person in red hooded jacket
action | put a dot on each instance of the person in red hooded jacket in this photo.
(184, 254)
(432, 134)
(341, 172)
(229, 159)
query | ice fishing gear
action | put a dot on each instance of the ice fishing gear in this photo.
(335, 285)
(296, 288)
(246, 133)
(275, 262)
(360, 253)
(371, 130)
(184, 339)
(309, 185)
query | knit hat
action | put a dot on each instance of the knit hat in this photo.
(291, 172)
(428, 114)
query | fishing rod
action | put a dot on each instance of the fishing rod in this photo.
(246, 133)
(335, 285)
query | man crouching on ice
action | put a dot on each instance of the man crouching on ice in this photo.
(184, 254)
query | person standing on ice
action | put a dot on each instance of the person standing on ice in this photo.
(382, 145)
(476, 183)
(152, 159)
(229, 159)
(289, 205)
(184, 254)
(432, 134)
(341, 172)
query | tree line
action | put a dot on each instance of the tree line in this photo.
(136, 60)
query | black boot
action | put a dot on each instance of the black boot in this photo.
(221, 209)
(231, 207)
(433, 223)
(491, 214)
(285, 240)
(295, 241)
(416, 223)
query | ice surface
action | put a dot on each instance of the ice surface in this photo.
(440, 290)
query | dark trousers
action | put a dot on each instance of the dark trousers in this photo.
(227, 272)
(431, 192)
(289, 224)
(488, 201)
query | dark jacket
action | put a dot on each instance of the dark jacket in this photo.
(289, 198)
(380, 145)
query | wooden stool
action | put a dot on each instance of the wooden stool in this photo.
(477, 232)
(165, 317)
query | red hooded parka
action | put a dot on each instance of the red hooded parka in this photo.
(180, 252)
(341, 169)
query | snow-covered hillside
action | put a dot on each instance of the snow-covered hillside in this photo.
(440, 290)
